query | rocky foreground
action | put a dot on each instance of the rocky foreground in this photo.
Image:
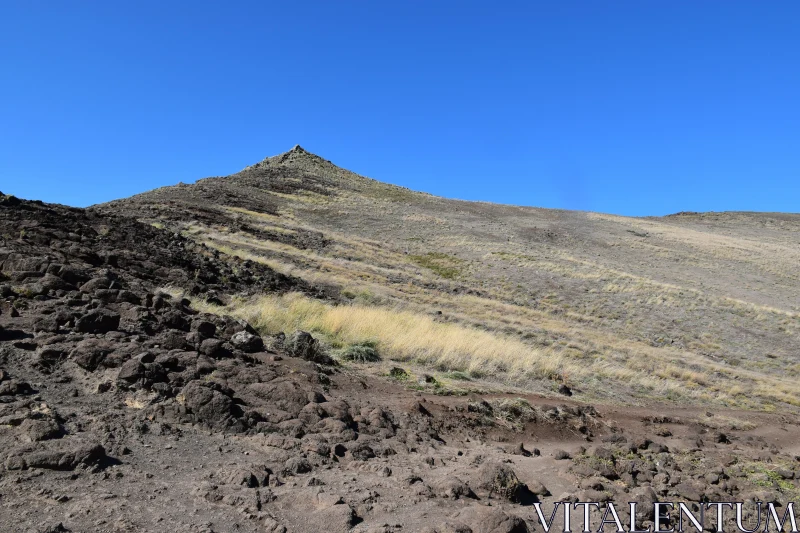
(125, 409)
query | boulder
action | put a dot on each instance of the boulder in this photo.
(174, 319)
(560, 455)
(247, 477)
(487, 520)
(205, 328)
(91, 353)
(500, 480)
(454, 488)
(49, 283)
(644, 497)
(362, 452)
(13, 387)
(131, 371)
(497, 521)
(98, 321)
(209, 403)
(301, 344)
(93, 284)
(65, 457)
(39, 430)
(296, 465)
(247, 342)
(73, 274)
(214, 348)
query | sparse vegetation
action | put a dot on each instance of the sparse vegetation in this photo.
(513, 413)
(769, 476)
(444, 265)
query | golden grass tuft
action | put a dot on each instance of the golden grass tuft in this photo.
(401, 335)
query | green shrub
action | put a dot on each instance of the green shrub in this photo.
(363, 352)
(399, 374)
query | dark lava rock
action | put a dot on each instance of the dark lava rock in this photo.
(56, 528)
(301, 344)
(9, 200)
(454, 488)
(13, 387)
(500, 480)
(91, 353)
(205, 328)
(98, 321)
(174, 319)
(131, 371)
(250, 478)
(497, 521)
(520, 450)
(73, 274)
(247, 342)
(214, 348)
(209, 403)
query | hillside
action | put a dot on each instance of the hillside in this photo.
(296, 348)
(688, 308)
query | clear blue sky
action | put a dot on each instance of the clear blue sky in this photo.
(638, 108)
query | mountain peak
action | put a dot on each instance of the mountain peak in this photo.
(300, 159)
(297, 157)
(298, 149)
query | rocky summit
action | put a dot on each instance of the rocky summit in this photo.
(297, 348)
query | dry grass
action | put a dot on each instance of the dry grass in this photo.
(402, 335)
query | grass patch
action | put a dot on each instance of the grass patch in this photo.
(444, 265)
(362, 352)
(399, 334)
(458, 376)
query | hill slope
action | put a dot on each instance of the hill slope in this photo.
(130, 399)
(693, 307)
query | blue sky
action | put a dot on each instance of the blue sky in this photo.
(636, 108)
